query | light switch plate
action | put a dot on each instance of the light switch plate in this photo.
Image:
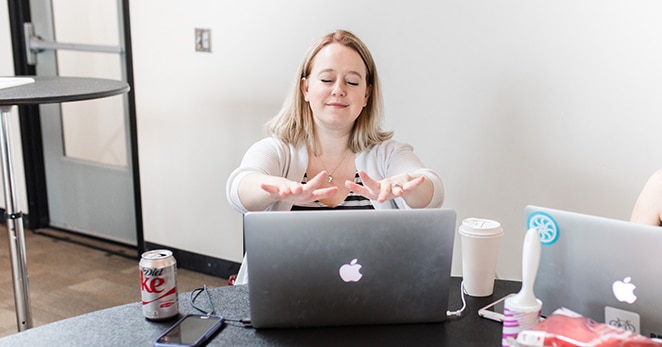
(202, 40)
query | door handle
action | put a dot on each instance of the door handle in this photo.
(35, 44)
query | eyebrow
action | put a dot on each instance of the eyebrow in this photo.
(350, 72)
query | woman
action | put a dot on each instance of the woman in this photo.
(328, 133)
(648, 208)
(327, 149)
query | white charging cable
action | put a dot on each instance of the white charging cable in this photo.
(458, 313)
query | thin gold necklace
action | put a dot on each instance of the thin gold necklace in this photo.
(329, 174)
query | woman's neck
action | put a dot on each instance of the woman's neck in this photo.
(331, 142)
(332, 147)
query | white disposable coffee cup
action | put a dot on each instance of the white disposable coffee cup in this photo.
(480, 250)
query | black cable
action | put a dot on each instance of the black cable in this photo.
(194, 295)
(246, 322)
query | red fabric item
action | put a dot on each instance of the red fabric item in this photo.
(562, 330)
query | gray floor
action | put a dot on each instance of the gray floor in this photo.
(67, 279)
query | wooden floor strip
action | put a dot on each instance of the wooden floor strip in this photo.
(70, 274)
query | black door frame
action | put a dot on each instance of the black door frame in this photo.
(30, 124)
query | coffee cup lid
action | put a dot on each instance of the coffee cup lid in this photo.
(480, 227)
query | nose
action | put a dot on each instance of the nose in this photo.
(338, 89)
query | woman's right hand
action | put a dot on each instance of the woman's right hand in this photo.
(299, 193)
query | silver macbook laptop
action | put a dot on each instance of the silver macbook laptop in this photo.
(351, 267)
(604, 269)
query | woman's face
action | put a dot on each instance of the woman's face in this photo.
(336, 88)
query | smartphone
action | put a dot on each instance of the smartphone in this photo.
(191, 330)
(494, 311)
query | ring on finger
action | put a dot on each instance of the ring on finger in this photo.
(395, 185)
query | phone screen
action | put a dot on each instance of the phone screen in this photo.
(190, 330)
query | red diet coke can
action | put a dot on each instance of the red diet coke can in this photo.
(158, 284)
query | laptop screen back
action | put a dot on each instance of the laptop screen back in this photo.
(602, 268)
(323, 268)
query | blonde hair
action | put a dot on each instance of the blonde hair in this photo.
(294, 122)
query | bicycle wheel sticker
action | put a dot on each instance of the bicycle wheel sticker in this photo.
(546, 226)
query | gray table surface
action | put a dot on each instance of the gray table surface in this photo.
(125, 326)
(56, 89)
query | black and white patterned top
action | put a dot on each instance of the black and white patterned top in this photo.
(352, 201)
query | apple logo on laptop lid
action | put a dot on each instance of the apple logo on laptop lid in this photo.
(624, 290)
(351, 272)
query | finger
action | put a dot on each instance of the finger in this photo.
(385, 192)
(323, 193)
(270, 188)
(413, 183)
(368, 181)
(318, 179)
(320, 176)
(279, 192)
(280, 195)
(358, 189)
(397, 189)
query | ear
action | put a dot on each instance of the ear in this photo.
(368, 92)
(304, 88)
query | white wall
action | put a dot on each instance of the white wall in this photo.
(513, 102)
(7, 69)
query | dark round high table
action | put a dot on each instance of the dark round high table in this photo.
(126, 326)
(31, 90)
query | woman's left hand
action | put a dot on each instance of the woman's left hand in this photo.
(386, 189)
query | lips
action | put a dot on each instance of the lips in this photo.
(336, 104)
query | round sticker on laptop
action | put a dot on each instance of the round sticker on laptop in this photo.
(546, 226)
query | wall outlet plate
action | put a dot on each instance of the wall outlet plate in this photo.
(202, 40)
